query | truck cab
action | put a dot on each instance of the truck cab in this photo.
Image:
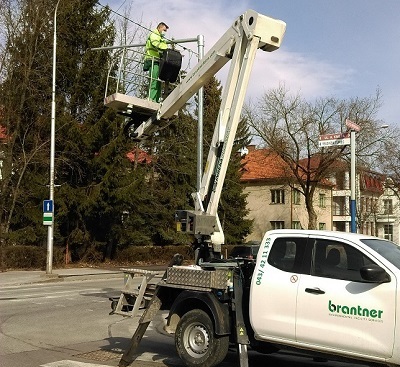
(327, 292)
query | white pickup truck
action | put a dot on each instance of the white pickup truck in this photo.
(331, 294)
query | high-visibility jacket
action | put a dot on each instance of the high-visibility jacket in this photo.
(155, 45)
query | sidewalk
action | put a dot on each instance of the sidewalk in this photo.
(18, 277)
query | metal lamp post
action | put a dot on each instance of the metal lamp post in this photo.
(353, 207)
(50, 228)
(353, 128)
(353, 181)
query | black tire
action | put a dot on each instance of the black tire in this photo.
(196, 342)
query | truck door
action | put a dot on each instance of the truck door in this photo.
(336, 309)
(274, 287)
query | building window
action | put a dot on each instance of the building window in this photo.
(340, 226)
(388, 234)
(322, 226)
(387, 206)
(362, 204)
(339, 205)
(296, 225)
(296, 197)
(322, 200)
(277, 224)
(368, 205)
(340, 181)
(278, 196)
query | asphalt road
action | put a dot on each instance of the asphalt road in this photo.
(67, 324)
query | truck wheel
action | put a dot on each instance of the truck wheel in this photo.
(196, 343)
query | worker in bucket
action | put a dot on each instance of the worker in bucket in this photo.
(155, 46)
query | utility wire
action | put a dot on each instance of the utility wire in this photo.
(142, 26)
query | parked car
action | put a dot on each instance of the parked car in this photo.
(246, 251)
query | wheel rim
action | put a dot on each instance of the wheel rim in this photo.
(197, 339)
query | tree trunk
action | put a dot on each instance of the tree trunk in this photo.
(312, 215)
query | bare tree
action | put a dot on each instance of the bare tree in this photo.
(291, 127)
(389, 161)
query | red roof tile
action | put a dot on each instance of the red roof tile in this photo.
(262, 164)
(143, 157)
(372, 182)
(3, 133)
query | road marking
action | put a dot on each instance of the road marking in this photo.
(58, 294)
(144, 357)
(67, 363)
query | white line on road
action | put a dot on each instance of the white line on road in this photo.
(57, 294)
(67, 363)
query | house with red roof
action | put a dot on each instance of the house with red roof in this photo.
(273, 197)
(388, 217)
(275, 202)
(3, 134)
(139, 156)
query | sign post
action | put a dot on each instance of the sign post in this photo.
(353, 128)
(334, 139)
(48, 211)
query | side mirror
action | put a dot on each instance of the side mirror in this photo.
(374, 274)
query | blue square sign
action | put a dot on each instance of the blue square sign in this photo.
(47, 206)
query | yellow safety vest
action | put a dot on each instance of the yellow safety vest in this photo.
(155, 45)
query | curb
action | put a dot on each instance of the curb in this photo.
(53, 278)
(74, 277)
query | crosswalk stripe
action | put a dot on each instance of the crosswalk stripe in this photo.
(68, 363)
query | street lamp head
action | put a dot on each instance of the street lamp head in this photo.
(384, 126)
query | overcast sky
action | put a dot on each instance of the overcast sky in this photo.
(340, 48)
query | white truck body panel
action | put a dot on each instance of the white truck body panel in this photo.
(320, 312)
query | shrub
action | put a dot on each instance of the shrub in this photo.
(27, 257)
(151, 254)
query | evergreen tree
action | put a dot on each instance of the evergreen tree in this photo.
(25, 101)
(92, 150)
(232, 207)
(84, 128)
(173, 178)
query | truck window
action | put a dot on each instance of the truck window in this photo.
(389, 250)
(287, 254)
(337, 260)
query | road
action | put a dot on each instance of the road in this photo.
(67, 324)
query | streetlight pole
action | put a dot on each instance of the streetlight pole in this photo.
(353, 207)
(50, 228)
(353, 181)
(353, 127)
(200, 45)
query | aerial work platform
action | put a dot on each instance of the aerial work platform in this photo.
(128, 90)
(123, 102)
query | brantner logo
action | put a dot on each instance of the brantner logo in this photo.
(356, 311)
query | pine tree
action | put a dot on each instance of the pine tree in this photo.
(83, 126)
(174, 177)
(232, 207)
(92, 150)
(25, 91)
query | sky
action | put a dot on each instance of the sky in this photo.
(331, 48)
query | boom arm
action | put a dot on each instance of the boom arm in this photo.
(249, 32)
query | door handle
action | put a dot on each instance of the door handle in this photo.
(314, 291)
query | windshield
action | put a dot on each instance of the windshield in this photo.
(389, 250)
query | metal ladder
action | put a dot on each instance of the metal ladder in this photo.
(148, 315)
(132, 297)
